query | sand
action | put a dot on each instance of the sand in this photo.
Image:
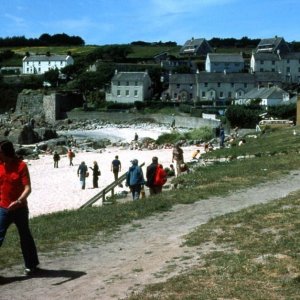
(58, 189)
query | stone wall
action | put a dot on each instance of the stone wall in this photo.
(51, 106)
(186, 122)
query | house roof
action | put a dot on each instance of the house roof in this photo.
(225, 57)
(182, 79)
(239, 77)
(266, 56)
(130, 76)
(273, 92)
(191, 46)
(271, 44)
(45, 57)
(291, 55)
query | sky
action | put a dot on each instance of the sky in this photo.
(102, 22)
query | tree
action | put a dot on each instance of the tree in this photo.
(52, 76)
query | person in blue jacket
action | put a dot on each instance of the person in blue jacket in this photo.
(135, 179)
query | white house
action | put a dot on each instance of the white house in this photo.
(128, 87)
(39, 64)
(224, 62)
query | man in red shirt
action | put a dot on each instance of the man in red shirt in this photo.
(15, 187)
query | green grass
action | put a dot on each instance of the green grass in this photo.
(255, 256)
(59, 231)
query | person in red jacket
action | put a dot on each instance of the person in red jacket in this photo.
(15, 187)
(156, 177)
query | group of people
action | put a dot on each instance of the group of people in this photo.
(15, 187)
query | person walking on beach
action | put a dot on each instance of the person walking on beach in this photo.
(96, 174)
(156, 177)
(15, 187)
(56, 158)
(82, 172)
(177, 158)
(70, 155)
(135, 179)
(116, 167)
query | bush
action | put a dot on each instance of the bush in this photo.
(169, 138)
(203, 133)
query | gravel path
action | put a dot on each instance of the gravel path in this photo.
(143, 252)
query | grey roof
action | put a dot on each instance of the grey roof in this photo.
(272, 45)
(291, 55)
(239, 77)
(182, 79)
(45, 57)
(192, 45)
(273, 92)
(226, 57)
(130, 76)
(266, 56)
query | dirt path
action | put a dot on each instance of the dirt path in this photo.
(144, 252)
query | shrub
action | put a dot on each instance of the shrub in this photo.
(203, 133)
(169, 138)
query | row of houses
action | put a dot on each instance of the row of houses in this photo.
(128, 87)
(225, 77)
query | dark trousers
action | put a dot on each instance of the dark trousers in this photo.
(95, 181)
(135, 191)
(20, 218)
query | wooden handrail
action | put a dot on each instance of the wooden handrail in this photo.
(107, 189)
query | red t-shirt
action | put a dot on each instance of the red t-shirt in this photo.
(13, 178)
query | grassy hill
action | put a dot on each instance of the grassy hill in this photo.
(250, 254)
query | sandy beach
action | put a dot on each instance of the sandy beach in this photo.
(57, 189)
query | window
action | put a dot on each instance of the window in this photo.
(205, 84)
(299, 69)
(287, 61)
(27, 63)
(219, 84)
(135, 83)
(127, 93)
(261, 69)
(127, 83)
(49, 63)
(118, 93)
(232, 84)
(245, 85)
(39, 63)
(273, 62)
(229, 94)
(261, 62)
(191, 86)
(27, 69)
(178, 85)
(135, 93)
(221, 94)
(175, 95)
(203, 95)
(61, 62)
(119, 83)
(288, 69)
(39, 70)
(273, 70)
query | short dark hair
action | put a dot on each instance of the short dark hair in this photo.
(7, 148)
(154, 159)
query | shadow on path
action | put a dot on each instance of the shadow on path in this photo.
(45, 273)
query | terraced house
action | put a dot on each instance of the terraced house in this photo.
(39, 64)
(218, 87)
(128, 87)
